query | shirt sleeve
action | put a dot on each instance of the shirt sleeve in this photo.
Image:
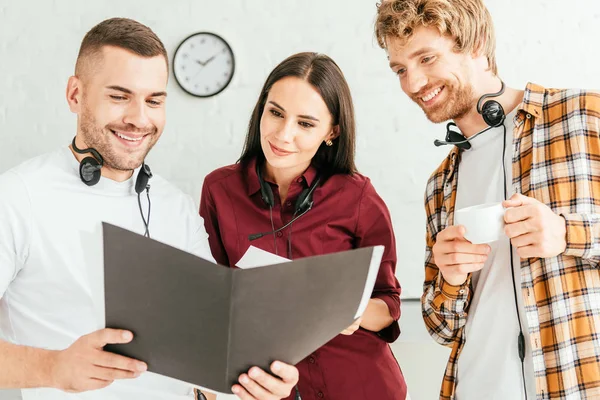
(208, 212)
(200, 246)
(374, 228)
(15, 227)
(583, 229)
(444, 306)
(583, 237)
(199, 238)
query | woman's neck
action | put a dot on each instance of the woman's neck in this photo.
(283, 177)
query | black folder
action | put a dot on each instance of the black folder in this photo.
(205, 324)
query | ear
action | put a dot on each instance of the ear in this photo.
(74, 94)
(334, 134)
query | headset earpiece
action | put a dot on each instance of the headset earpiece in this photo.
(141, 183)
(90, 168)
(90, 171)
(451, 134)
(305, 199)
(265, 190)
(491, 111)
(303, 202)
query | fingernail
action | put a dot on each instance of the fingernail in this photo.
(244, 379)
(276, 366)
(127, 335)
(142, 367)
(235, 389)
(254, 373)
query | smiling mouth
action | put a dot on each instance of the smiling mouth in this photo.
(279, 151)
(129, 138)
(433, 94)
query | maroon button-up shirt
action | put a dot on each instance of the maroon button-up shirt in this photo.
(347, 214)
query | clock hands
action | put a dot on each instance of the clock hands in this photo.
(210, 59)
(203, 64)
(207, 61)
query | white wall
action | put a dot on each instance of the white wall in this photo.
(551, 42)
(39, 41)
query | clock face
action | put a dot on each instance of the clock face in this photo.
(203, 64)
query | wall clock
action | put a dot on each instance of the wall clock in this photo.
(203, 64)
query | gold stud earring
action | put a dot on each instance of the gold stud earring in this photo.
(329, 143)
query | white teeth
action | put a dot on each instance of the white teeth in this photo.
(127, 137)
(431, 95)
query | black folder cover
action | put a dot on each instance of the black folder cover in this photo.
(205, 324)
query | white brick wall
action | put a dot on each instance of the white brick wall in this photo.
(551, 42)
(39, 42)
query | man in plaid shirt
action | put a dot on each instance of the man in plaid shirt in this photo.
(473, 301)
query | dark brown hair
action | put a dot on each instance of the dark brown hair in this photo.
(123, 33)
(327, 78)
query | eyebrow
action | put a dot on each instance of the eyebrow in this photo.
(421, 52)
(310, 117)
(413, 55)
(125, 90)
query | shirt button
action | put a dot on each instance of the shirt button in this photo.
(461, 291)
(321, 395)
(279, 234)
(528, 116)
(311, 360)
(288, 203)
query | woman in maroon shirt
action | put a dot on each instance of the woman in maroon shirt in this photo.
(300, 149)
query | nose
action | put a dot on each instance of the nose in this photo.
(287, 131)
(137, 115)
(416, 81)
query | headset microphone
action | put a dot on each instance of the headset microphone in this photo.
(491, 112)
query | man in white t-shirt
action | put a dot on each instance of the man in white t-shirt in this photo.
(521, 313)
(51, 209)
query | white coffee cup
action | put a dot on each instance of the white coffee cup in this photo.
(484, 223)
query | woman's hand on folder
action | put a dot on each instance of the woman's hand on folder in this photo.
(352, 328)
(86, 366)
(259, 385)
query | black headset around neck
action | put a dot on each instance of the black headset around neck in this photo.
(90, 171)
(304, 204)
(492, 113)
(304, 201)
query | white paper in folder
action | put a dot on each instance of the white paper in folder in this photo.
(371, 277)
(255, 257)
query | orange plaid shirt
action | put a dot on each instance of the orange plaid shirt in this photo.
(556, 160)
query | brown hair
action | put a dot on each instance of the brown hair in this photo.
(123, 33)
(327, 78)
(468, 22)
